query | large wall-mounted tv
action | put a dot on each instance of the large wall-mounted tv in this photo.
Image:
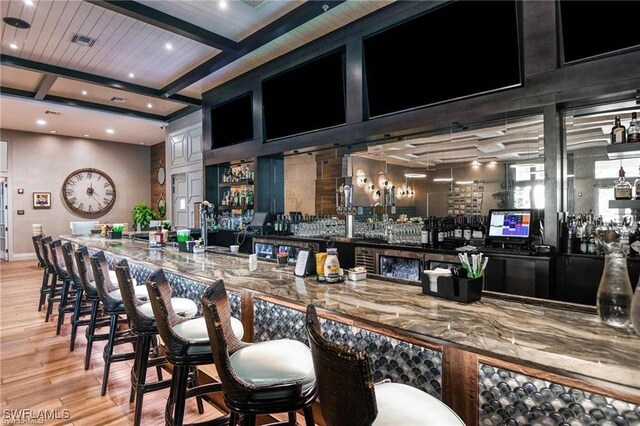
(232, 122)
(586, 32)
(459, 49)
(306, 98)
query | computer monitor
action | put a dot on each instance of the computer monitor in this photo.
(510, 225)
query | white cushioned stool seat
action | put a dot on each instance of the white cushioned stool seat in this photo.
(195, 331)
(141, 293)
(114, 278)
(273, 362)
(182, 306)
(400, 404)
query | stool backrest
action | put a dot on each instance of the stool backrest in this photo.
(55, 254)
(83, 262)
(138, 321)
(104, 286)
(46, 254)
(72, 271)
(345, 384)
(217, 315)
(37, 246)
(166, 318)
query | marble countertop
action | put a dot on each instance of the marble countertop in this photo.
(562, 341)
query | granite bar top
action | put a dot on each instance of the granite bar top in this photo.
(566, 342)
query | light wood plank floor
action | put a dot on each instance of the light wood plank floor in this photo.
(37, 371)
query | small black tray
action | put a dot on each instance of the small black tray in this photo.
(323, 279)
(186, 247)
(463, 290)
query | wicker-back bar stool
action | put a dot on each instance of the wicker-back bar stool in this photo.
(53, 291)
(268, 377)
(349, 397)
(65, 306)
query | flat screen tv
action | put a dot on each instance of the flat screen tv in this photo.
(510, 225)
(306, 98)
(585, 31)
(460, 49)
(232, 122)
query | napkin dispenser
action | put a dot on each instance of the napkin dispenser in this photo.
(451, 287)
(186, 246)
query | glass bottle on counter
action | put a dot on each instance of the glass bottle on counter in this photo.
(614, 292)
(618, 132)
(424, 235)
(622, 187)
(633, 132)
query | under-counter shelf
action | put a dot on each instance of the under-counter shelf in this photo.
(623, 150)
(624, 204)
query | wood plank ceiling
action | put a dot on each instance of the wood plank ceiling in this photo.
(158, 55)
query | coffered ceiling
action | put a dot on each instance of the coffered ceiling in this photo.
(151, 59)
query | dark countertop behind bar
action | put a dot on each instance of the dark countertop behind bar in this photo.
(574, 344)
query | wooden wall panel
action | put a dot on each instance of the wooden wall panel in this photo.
(460, 383)
(157, 159)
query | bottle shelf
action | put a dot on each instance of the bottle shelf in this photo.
(623, 151)
(221, 207)
(232, 184)
(624, 204)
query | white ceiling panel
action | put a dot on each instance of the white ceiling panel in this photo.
(236, 22)
(15, 78)
(21, 114)
(333, 19)
(67, 88)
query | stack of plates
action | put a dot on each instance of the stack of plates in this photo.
(37, 229)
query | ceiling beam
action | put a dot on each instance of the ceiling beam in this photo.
(298, 16)
(44, 86)
(93, 79)
(181, 113)
(167, 22)
(16, 93)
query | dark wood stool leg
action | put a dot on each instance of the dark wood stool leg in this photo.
(75, 318)
(63, 303)
(248, 420)
(308, 416)
(177, 400)
(135, 369)
(233, 418)
(193, 382)
(43, 288)
(292, 418)
(141, 376)
(52, 295)
(154, 345)
(108, 353)
(90, 332)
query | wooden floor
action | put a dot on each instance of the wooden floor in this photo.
(37, 371)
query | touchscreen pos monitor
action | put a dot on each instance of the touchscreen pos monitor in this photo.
(510, 225)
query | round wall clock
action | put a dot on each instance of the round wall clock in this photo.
(161, 174)
(89, 192)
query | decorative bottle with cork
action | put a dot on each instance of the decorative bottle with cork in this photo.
(618, 132)
(622, 187)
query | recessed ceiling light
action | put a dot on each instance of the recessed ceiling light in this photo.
(29, 2)
(149, 105)
(53, 131)
(41, 122)
(464, 182)
(86, 136)
(415, 175)
(443, 179)
(131, 75)
(168, 46)
(13, 46)
(110, 131)
(85, 93)
(17, 23)
(222, 4)
(141, 143)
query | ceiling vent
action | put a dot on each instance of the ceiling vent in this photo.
(118, 100)
(490, 148)
(253, 3)
(83, 40)
(52, 112)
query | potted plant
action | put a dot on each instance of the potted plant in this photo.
(141, 215)
(116, 231)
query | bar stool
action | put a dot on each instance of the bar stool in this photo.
(85, 272)
(142, 324)
(113, 307)
(64, 306)
(274, 376)
(186, 346)
(44, 287)
(348, 395)
(80, 307)
(52, 293)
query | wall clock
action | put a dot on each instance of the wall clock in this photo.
(89, 192)
(161, 174)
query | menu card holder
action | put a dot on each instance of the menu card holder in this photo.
(305, 263)
(459, 289)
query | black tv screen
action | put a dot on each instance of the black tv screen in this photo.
(232, 122)
(588, 33)
(457, 50)
(306, 98)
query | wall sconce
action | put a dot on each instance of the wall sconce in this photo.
(381, 179)
(376, 195)
(361, 181)
(409, 192)
(369, 188)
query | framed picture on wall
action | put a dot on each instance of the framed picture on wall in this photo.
(41, 200)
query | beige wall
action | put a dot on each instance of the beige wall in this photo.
(300, 184)
(40, 163)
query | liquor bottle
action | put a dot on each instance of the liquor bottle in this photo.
(433, 234)
(424, 235)
(636, 186)
(633, 132)
(621, 188)
(457, 232)
(618, 132)
(467, 232)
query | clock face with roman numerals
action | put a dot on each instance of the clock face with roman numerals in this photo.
(89, 192)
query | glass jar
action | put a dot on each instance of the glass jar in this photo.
(635, 309)
(332, 264)
(614, 292)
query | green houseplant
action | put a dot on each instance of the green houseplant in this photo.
(141, 215)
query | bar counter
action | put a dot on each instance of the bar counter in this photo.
(557, 345)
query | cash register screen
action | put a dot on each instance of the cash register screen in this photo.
(510, 225)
